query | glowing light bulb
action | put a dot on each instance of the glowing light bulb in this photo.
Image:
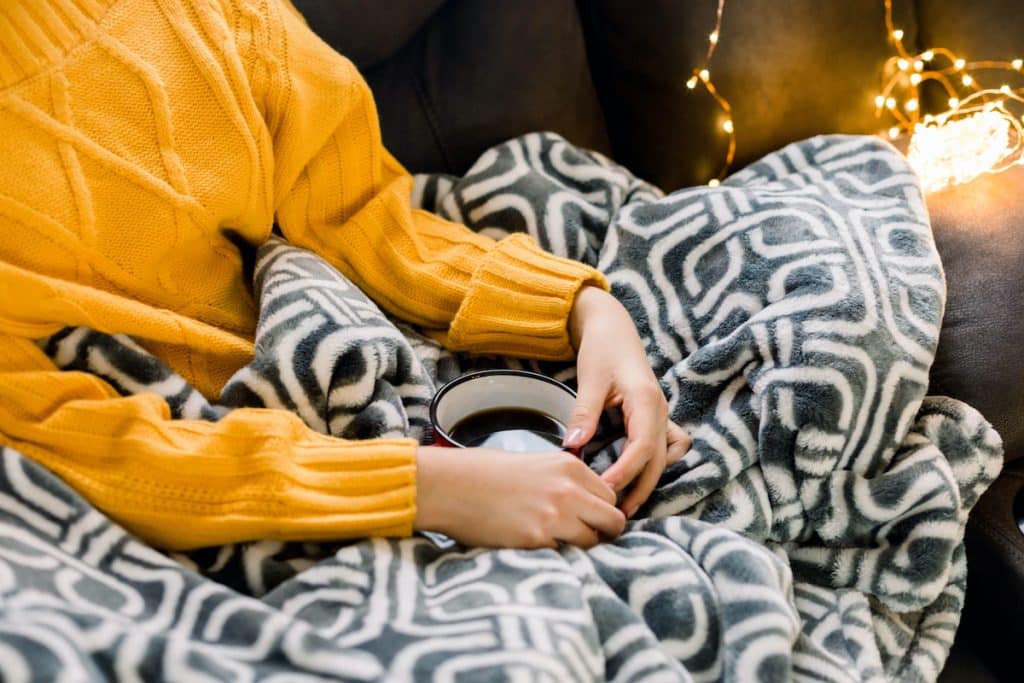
(890, 102)
(967, 80)
(955, 152)
(898, 34)
(918, 65)
(879, 101)
(954, 102)
(902, 64)
(727, 126)
(959, 64)
(911, 105)
(1005, 89)
(692, 83)
(714, 182)
(894, 133)
(927, 55)
(915, 79)
(1017, 64)
(705, 75)
(713, 37)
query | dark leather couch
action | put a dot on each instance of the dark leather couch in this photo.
(453, 77)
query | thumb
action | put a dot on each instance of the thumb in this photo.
(590, 401)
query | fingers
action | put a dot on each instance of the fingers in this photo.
(646, 423)
(580, 534)
(595, 485)
(590, 401)
(643, 487)
(679, 443)
(587, 507)
(602, 517)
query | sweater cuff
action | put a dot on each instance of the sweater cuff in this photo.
(518, 302)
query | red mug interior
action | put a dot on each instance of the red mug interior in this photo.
(488, 390)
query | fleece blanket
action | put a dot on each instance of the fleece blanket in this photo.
(814, 531)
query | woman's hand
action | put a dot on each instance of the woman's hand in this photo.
(486, 497)
(612, 370)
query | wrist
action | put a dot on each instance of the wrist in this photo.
(595, 308)
(588, 299)
(433, 476)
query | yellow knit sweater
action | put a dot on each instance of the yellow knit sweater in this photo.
(135, 137)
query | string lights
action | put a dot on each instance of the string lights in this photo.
(981, 131)
(702, 76)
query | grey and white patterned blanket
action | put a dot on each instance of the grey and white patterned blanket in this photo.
(813, 532)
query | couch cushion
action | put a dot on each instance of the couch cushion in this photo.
(993, 621)
(979, 231)
(473, 75)
(368, 34)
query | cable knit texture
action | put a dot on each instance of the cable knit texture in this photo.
(141, 140)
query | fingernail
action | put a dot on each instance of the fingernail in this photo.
(573, 437)
(630, 511)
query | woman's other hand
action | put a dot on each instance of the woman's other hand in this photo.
(486, 497)
(612, 370)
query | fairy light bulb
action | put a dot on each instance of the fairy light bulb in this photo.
(714, 182)
(701, 75)
(958, 151)
(977, 134)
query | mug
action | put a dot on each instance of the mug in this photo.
(511, 410)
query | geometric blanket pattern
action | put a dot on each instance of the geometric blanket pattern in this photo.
(814, 531)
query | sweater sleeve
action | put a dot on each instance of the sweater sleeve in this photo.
(339, 193)
(185, 483)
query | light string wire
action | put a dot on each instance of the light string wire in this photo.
(979, 132)
(702, 76)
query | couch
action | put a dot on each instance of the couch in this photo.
(453, 77)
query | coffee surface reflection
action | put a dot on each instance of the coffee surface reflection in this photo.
(510, 429)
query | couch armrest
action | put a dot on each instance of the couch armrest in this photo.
(993, 622)
(979, 231)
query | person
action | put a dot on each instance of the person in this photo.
(142, 140)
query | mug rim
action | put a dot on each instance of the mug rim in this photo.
(462, 379)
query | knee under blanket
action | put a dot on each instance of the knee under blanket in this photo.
(815, 530)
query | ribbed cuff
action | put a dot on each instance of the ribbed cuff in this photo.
(519, 301)
(38, 33)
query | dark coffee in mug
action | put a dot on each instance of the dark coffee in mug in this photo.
(510, 429)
